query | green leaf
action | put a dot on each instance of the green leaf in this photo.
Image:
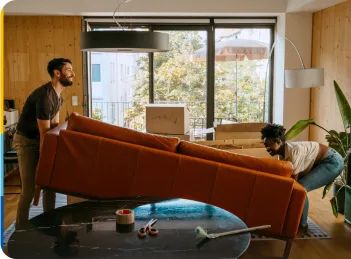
(298, 127)
(339, 190)
(338, 141)
(344, 106)
(334, 205)
(326, 189)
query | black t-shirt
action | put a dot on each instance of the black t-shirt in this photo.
(43, 104)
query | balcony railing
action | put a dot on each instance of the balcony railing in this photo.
(118, 113)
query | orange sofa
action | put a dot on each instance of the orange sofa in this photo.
(93, 159)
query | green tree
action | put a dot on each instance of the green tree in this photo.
(179, 79)
(245, 86)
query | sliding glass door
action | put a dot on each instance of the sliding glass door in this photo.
(180, 76)
(241, 74)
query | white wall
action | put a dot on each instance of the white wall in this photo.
(298, 29)
(165, 7)
(278, 82)
(145, 7)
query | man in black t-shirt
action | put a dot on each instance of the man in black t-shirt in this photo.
(40, 113)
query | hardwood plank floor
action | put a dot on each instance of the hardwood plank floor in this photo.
(339, 246)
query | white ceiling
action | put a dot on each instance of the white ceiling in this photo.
(165, 7)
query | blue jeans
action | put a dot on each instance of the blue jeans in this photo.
(321, 174)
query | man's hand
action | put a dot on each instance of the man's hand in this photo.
(55, 121)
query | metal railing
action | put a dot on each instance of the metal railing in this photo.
(120, 113)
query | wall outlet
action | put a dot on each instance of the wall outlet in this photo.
(74, 100)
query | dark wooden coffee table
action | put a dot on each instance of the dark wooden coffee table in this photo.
(88, 230)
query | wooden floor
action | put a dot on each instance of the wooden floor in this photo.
(339, 247)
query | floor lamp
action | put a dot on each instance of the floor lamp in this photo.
(303, 77)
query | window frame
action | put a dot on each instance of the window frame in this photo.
(208, 24)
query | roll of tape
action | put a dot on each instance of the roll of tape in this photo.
(124, 220)
(125, 216)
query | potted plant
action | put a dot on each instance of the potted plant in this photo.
(340, 141)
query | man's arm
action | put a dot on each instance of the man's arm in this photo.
(44, 126)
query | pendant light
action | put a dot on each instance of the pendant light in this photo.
(123, 40)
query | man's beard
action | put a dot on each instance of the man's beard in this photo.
(65, 81)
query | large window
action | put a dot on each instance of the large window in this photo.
(119, 88)
(180, 78)
(241, 64)
(220, 71)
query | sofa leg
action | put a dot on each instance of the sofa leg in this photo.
(287, 249)
(36, 195)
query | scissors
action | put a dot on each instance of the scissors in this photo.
(148, 229)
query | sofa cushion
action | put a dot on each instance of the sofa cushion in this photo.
(272, 166)
(87, 165)
(94, 127)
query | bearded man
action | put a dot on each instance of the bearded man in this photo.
(40, 113)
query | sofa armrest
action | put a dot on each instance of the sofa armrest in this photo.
(48, 154)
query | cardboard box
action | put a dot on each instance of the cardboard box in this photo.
(182, 137)
(227, 144)
(238, 131)
(239, 146)
(11, 117)
(167, 119)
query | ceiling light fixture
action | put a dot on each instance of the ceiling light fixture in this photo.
(123, 40)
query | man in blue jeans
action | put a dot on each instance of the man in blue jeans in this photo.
(314, 164)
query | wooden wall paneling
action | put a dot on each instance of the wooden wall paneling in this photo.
(21, 58)
(30, 43)
(45, 41)
(8, 64)
(70, 49)
(331, 49)
(59, 40)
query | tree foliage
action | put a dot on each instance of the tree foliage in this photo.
(178, 78)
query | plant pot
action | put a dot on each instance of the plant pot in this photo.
(348, 204)
(340, 198)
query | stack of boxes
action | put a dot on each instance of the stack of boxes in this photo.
(168, 119)
(239, 138)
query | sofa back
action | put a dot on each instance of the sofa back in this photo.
(97, 128)
(267, 165)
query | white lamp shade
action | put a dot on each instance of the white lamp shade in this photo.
(304, 78)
